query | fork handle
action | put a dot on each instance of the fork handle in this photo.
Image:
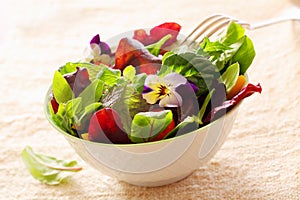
(270, 22)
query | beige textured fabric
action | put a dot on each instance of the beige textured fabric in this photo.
(259, 160)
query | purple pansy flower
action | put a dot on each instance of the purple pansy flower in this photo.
(163, 90)
(103, 47)
(98, 52)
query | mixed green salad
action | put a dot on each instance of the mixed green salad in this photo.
(150, 87)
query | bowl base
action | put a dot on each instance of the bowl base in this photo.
(159, 183)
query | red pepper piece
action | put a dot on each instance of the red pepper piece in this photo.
(157, 33)
(165, 132)
(106, 127)
(164, 29)
(132, 52)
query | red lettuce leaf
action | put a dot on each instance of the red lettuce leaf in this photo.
(226, 105)
(54, 104)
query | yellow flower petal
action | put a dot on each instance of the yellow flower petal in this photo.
(151, 97)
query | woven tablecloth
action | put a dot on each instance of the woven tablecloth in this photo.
(259, 160)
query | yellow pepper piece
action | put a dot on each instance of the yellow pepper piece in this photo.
(240, 83)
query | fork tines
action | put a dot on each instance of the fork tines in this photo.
(211, 25)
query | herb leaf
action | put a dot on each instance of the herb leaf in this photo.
(46, 169)
(233, 46)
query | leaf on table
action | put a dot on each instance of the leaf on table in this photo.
(47, 169)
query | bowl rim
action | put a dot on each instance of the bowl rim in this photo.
(46, 112)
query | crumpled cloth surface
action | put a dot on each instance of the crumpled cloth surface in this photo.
(260, 158)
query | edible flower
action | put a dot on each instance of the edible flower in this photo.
(103, 47)
(163, 90)
(99, 52)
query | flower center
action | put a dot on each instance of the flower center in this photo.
(163, 90)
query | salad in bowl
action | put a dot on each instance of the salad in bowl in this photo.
(150, 87)
(148, 109)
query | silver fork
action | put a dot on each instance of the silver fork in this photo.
(216, 23)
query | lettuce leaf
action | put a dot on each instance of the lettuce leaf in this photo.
(126, 100)
(147, 125)
(192, 66)
(47, 169)
(231, 47)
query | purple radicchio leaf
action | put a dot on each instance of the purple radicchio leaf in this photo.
(78, 80)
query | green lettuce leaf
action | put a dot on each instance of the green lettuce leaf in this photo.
(129, 73)
(245, 55)
(187, 125)
(67, 115)
(61, 89)
(147, 125)
(192, 66)
(232, 34)
(126, 100)
(47, 169)
(231, 47)
(109, 76)
(92, 69)
(139, 81)
(92, 93)
(204, 106)
(230, 76)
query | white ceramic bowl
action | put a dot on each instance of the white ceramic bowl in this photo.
(155, 163)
